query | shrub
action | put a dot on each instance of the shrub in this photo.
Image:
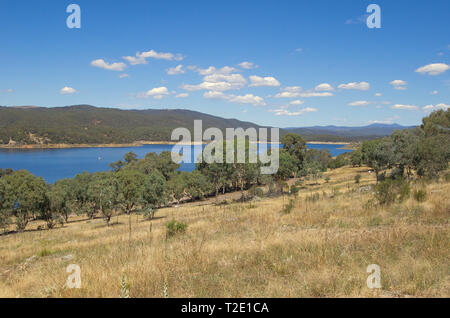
(357, 178)
(256, 192)
(390, 191)
(174, 227)
(294, 189)
(327, 179)
(420, 195)
(288, 207)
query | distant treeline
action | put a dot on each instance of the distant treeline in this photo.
(92, 125)
(143, 185)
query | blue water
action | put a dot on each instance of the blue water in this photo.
(56, 164)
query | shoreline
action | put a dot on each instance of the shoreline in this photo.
(134, 144)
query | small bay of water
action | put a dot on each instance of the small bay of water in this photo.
(56, 164)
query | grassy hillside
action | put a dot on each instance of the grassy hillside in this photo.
(320, 249)
(91, 125)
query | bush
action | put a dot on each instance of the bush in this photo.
(390, 191)
(327, 179)
(256, 192)
(294, 189)
(288, 207)
(420, 195)
(357, 178)
(173, 228)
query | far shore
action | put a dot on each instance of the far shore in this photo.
(134, 144)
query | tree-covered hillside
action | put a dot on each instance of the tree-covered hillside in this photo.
(85, 124)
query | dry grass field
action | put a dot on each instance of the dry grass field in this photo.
(320, 249)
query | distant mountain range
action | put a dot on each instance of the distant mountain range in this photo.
(85, 124)
(342, 133)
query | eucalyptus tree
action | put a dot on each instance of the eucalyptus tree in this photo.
(103, 191)
(23, 196)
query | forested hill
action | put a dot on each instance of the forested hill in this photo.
(83, 124)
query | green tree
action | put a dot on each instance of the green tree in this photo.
(103, 193)
(130, 188)
(24, 196)
(295, 145)
(154, 192)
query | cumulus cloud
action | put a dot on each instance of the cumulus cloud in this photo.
(256, 81)
(433, 69)
(141, 58)
(213, 70)
(238, 99)
(297, 102)
(405, 107)
(248, 99)
(362, 86)
(430, 108)
(289, 92)
(176, 70)
(124, 75)
(378, 94)
(315, 94)
(182, 95)
(218, 82)
(324, 87)
(359, 103)
(111, 67)
(156, 93)
(248, 65)
(399, 84)
(285, 112)
(214, 95)
(67, 90)
(434, 92)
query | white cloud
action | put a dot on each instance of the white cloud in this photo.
(284, 112)
(430, 108)
(299, 50)
(141, 58)
(218, 82)
(238, 99)
(214, 95)
(324, 87)
(111, 67)
(362, 86)
(156, 93)
(433, 69)
(67, 90)
(378, 94)
(297, 102)
(124, 75)
(359, 103)
(399, 84)
(176, 70)
(182, 95)
(248, 65)
(248, 99)
(212, 70)
(405, 107)
(434, 92)
(314, 94)
(257, 81)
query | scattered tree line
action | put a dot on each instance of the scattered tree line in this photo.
(143, 185)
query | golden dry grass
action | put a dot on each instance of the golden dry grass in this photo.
(320, 249)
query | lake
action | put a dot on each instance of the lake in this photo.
(56, 164)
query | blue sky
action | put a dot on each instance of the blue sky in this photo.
(308, 62)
